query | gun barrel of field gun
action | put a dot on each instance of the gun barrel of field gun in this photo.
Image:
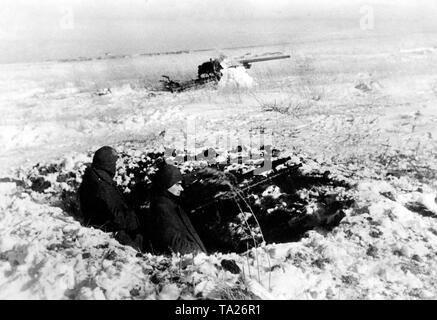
(278, 173)
(261, 59)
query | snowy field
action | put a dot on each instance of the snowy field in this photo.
(364, 108)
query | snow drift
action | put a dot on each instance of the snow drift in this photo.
(236, 77)
(380, 250)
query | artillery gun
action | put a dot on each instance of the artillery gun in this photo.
(211, 72)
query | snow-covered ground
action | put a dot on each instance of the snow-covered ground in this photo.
(366, 111)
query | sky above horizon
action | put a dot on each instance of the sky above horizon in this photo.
(55, 29)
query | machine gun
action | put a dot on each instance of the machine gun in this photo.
(288, 169)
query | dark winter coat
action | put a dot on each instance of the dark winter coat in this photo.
(171, 229)
(101, 203)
